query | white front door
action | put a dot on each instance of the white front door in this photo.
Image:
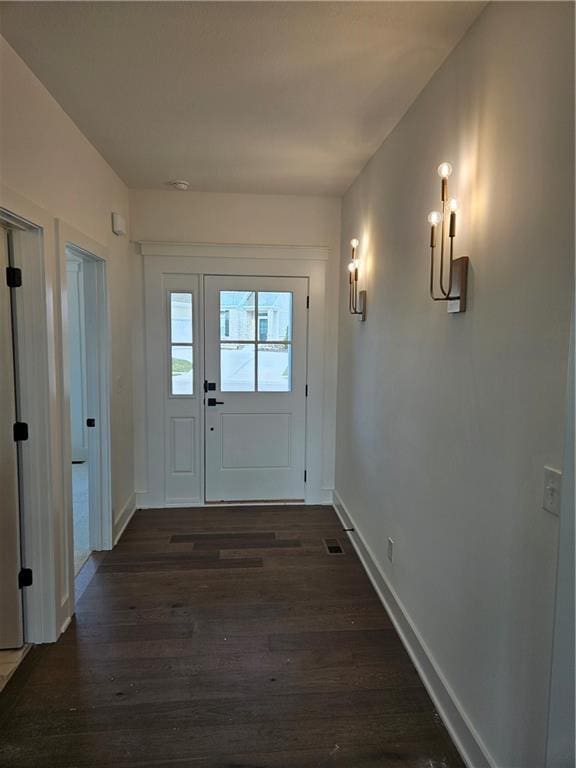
(255, 399)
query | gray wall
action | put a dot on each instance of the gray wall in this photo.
(561, 727)
(445, 422)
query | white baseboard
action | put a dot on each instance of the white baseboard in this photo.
(123, 518)
(461, 730)
(65, 624)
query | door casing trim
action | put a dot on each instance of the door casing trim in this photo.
(247, 260)
(101, 528)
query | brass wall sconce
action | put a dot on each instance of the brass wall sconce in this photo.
(455, 291)
(356, 298)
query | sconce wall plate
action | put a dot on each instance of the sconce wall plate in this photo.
(455, 291)
(362, 305)
(459, 285)
(356, 298)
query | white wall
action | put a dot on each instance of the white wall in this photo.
(561, 729)
(45, 161)
(196, 217)
(445, 422)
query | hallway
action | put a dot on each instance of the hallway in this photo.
(217, 637)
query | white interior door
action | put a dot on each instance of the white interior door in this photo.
(255, 403)
(10, 594)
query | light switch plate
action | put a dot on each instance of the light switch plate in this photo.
(552, 487)
(391, 550)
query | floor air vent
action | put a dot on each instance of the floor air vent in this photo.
(333, 547)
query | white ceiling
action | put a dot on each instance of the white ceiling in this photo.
(267, 97)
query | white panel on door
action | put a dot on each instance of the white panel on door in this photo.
(183, 445)
(256, 440)
(173, 393)
(255, 365)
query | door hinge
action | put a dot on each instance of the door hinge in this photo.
(25, 578)
(20, 431)
(13, 277)
(307, 302)
(306, 390)
(305, 475)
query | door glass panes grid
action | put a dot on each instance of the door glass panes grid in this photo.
(255, 341)
(181, 344)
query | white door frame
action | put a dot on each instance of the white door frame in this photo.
(32, 238)
(245, 260)
(94, 256)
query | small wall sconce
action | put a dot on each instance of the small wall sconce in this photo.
(455, 291)
(356, 298)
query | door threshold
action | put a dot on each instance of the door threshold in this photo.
(10, 661)
(252, 502)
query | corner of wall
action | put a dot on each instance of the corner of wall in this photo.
(468, 742)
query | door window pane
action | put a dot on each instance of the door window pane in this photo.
(237, 368)
(255, 341)
(182, 370)
(181, 347)
(181, 318)
(237, 321)
(274, 367)
(274, 316)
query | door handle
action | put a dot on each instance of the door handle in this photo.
(90, 422)
(212, 401)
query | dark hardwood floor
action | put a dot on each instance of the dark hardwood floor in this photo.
(224, 638)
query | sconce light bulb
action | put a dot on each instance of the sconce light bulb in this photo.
(352, 266)
(444, 170)
(355, 242)
(453, 204)
(434, 218)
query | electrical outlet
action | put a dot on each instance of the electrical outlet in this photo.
(552, 483)
(390, 550)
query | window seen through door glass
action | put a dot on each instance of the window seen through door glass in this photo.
(181, 344)
(237, 315)
(255, 341)
(274, 316)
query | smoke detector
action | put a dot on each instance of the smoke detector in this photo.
(180, 184)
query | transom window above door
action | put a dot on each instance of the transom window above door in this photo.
(255, 341)
(181, 344)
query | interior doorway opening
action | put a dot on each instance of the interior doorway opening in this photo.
(78, 408)
(87, 348)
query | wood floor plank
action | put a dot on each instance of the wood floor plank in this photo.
(224, 638)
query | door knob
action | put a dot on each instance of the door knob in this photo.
(212, 401)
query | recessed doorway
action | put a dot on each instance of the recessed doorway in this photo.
(87, 347)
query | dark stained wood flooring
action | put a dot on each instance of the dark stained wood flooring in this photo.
(224, 638)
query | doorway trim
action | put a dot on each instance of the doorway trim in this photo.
(229, 259)
(94, 257)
